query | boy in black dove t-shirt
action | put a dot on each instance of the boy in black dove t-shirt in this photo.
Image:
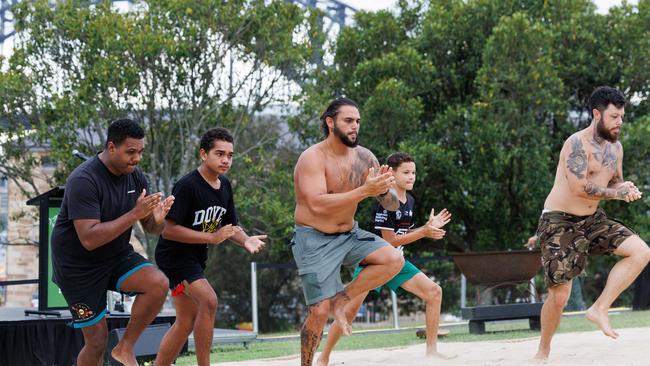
(204, 215)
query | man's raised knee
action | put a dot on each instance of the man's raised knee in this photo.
(395, 259)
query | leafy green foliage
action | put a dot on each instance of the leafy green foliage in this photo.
(178, 67)
(483, 94)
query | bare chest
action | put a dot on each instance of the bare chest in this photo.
(344, 175)
(603, 162)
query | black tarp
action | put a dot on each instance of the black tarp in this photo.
(47, 341)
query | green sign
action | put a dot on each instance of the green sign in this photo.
(54, 297)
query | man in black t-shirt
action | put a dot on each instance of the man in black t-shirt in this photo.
(204, 215)
(104, 197)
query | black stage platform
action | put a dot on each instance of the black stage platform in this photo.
(38, 340)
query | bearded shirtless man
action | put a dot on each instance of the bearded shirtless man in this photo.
(331, 178)
(572, 227)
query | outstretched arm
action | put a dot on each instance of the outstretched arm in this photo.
(252, 244)
(412, 236)
(432, 230)
(185, 235)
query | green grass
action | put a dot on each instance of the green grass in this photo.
(494, 331)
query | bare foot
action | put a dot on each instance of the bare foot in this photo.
(346, 328)
(601, 319)
(124, 356)
(442, 356)
(339, 312)
(320, 361)
(541, 356)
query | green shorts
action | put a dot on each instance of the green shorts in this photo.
(319, 257)
(407, 272)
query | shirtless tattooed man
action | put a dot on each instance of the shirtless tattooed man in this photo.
(331, 178)
(572, 227)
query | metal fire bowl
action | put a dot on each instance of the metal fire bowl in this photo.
(493, 268)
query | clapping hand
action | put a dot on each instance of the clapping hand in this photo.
(441, 219)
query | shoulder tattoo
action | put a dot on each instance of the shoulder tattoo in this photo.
(577, 160)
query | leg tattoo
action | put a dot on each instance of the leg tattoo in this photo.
(310, 335)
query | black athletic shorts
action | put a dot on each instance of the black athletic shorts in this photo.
(186, 268)
(85, 291)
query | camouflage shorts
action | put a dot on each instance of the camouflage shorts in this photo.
(566, 240)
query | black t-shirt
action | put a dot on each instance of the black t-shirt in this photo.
(93, 192)
(400, 221)
(197, 206)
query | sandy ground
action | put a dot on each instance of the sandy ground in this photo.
(632, 348)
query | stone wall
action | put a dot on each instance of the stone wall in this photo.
(22, 238)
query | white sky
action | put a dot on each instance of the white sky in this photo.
(603, 5)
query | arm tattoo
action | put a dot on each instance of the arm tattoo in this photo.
(616, 180)
(364, 160)
(577, 161)
(345, 296)
(389, 200)
(605, 193)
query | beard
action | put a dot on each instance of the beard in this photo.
(344, 138)
(603, 132)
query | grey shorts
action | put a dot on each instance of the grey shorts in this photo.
(319, 257)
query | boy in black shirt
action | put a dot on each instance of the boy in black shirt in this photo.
(104, 197)
(205, 215)
(396, 228)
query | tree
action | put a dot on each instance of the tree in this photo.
(178, 67)
(483, 95)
